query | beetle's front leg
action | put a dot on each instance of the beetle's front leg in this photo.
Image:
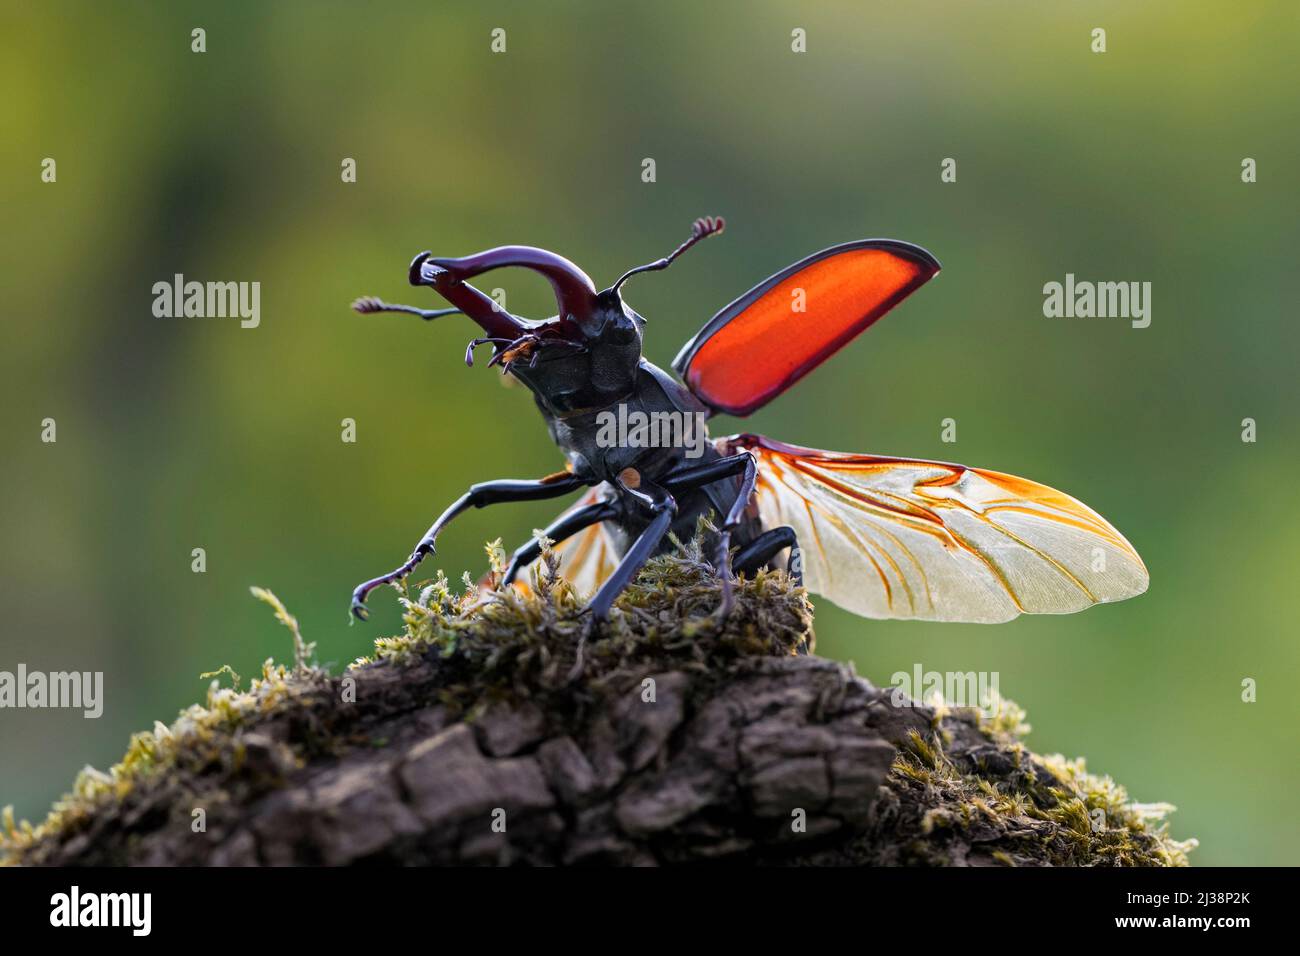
(478, 496)
(694, 476)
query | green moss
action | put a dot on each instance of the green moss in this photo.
(1008, 806)
(200, 738)
(532, 641)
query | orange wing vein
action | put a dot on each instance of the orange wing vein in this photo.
(904, 538)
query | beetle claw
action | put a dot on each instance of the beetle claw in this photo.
(423, 550)
(722, 567)
(359, 610)
(728, 602)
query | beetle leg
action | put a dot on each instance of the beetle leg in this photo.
(748, 477)
(563, 527)
(767, 546)
(763, 549)
(664, 508)
(479, 496)
(693, 476)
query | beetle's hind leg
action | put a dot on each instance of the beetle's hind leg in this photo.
(767, 546)
(760, 552)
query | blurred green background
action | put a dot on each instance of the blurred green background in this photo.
(183, 433)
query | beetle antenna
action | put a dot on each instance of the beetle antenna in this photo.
(370, 303)
(702, 228)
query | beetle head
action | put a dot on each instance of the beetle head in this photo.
(592, 343)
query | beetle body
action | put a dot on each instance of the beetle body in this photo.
(891, 537)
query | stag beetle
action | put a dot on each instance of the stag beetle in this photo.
(885, 537)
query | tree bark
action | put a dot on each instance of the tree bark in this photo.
(472, 746)
(776, 760)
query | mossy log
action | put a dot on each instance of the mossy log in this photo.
(492, 732)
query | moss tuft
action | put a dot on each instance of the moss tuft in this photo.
(1008, 806)
(532, 640)
(199, 741)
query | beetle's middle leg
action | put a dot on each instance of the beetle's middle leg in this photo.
(562, 527)
(478, 496)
